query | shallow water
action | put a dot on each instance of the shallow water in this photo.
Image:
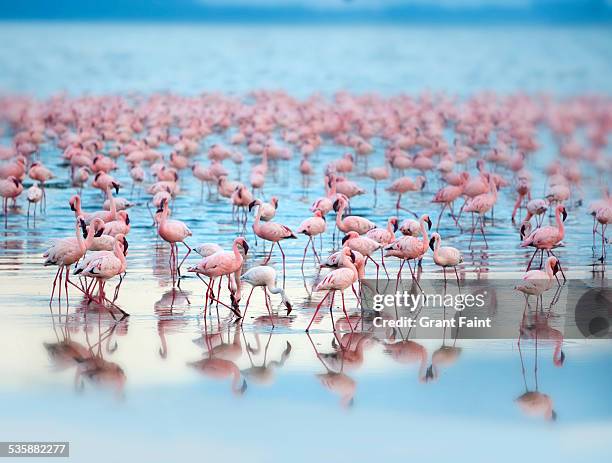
(161, 405)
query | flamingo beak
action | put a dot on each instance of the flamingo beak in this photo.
(523, 231)
(423, 185)
(252, 205)
(395, 226)
(116, 186)
(335, 205)
(99, 233)
(429, 374)
(353, 257)
(556, 268)
(245, 245)
(289, 307)
(428, 223)
(345, 238)
(564, 212)
(125, 246)
(83, 228)
(72, 208)
(127, 219)
(431, 243)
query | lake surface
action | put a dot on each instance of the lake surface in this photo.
(156, 404)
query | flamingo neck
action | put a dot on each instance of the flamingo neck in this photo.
(77, 206)
(425, 239)
(237, 254)
(119, 254)
(560, 225)
(340, 214)
(257, 217)
(79, 236)
(111, 199)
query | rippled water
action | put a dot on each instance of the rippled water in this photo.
(161, 405)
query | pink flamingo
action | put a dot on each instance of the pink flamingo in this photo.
(338, 280)
(365, 246)
(361, 225)
(403, 185)
(220, 264)
(271, 231)
(482, 204)
(546, 238)
(40, 173)
(311, 227)
(409, 248)
(64, 252)
(447, 196)
(445, 256)
(10, 188)
(173, 231)
(104, 265)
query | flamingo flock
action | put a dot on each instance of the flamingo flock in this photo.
(159, 145)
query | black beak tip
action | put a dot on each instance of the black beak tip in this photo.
(344, 238)
(289, 307)
(431, 243)
(251, 205)
(428, 223)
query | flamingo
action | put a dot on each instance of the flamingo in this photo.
(220, 264)
(173, 231)
(64, 252)
(536, 282)
(311, 227)
(34, 196)
(271, 231)
(365, 246)
(104, 265)
(10, 188)
(408, 248)
(338, 280)
(107, 216)
(546, 238)
(403, 185)
(345, 224)
(264, 276)
(445, 256)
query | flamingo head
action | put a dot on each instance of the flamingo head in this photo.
(350, 235)
(83, 225)
(254, 203)
(427, 220)
(559, 361)
(432, 241)
(243, 242)
(74, 201)
(563, 211)
(124, 216)
(274, 201)
(394, 221)
(289, 307)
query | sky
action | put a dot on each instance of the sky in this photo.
(313, 10)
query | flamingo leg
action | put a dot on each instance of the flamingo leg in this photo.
(270, 253)
(457, 275)
(54, 283)
(531, 260)
(306, 249)
(283, 254)
(399, 274)
(247, 302)
(268, 306)
(382, 260)
(440, 216)
(185, 257)
(345, 312)
(317, 310)
(414, 278)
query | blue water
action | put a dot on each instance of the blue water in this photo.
(167, 409)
